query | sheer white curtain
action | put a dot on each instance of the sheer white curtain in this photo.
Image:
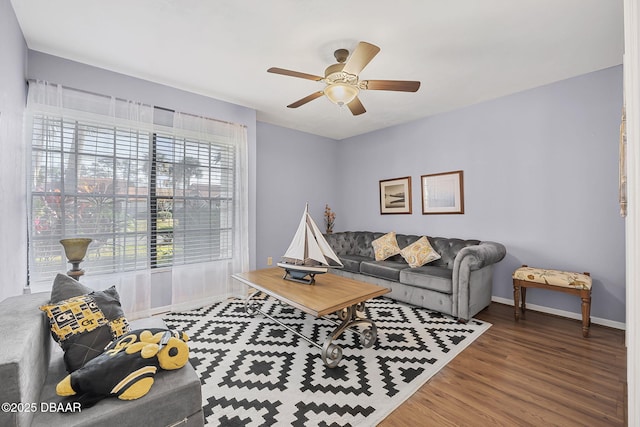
(91, 150)
(53, 103)
(58, 100)
(196, 284)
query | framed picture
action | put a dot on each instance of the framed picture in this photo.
(395, 196)
(442, 193)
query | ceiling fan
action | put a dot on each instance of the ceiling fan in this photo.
(343, 84)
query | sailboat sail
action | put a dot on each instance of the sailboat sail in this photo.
(323, 246)
(309, 246)
(296, 250)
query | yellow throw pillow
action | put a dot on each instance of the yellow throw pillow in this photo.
(419, 253)
(385, 246)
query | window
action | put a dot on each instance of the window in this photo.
(148, 198)
(192, 201)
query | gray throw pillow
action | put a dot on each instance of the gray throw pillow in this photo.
(65, 287)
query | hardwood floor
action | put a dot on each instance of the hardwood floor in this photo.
(538, 372)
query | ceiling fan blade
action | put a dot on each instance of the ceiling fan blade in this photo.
(284, 72)
(360, 57)
(356, 107)
(306, 99)
(396, 85)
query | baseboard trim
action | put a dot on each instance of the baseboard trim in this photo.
(563, 313)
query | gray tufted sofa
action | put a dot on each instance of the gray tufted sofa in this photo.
(458, 284)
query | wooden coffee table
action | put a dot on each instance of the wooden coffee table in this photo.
(329, 294)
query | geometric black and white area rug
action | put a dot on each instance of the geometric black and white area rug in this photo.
(254, 372)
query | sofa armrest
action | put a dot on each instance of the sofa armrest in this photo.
(481, 255)
(472, 258)
(24, 355)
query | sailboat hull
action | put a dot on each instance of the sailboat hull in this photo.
(301, 273)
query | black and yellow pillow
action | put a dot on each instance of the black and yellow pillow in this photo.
(86, 323)
(127, 367)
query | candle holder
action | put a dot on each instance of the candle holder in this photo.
(75, 249)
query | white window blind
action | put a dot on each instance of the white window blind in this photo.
(193, 200)
(147, 198)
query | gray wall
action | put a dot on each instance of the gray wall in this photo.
(13, 245)
(294, 168)
(541, 176)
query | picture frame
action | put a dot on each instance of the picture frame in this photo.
(443, 193)
(395, 196)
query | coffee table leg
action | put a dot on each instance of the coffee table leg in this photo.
(368, 336)
(251, 306)
(332, 353)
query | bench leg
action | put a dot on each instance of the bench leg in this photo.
(516, 300)
(519, 298)
(586, 312)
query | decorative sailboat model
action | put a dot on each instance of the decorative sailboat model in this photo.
(309, 253)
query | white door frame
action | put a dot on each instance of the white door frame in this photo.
(632, 233)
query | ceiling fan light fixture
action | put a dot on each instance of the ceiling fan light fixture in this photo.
(342, 79)
(341, 93)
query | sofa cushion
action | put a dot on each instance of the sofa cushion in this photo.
(419, 253)
(385, 246)
(352, 262)
(428, 277)
(389, 270)
(85, 324)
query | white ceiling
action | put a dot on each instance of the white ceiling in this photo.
(463, 51)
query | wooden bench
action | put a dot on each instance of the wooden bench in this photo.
(572, 283)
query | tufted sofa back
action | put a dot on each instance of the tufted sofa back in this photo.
(359, 243)
(448, 249)
(352, 242)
